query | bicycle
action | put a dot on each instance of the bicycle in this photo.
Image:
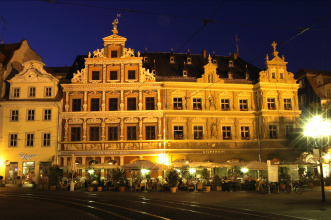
(297, 187)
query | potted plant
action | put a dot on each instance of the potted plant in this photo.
(18, 178)
(120, 177)
(55, 173)
(218, 183)
(173, 180)
(206, 176)
(100, 184)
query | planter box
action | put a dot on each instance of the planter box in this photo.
(99, 188)
(90, 189)
(52, 187)
(173, 189)
(208, 188)
(218, 188)
(121, 188)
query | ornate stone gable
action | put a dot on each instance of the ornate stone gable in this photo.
(131, 120)
(113, 120)
(76, 121)
(210, 74)
(94, 121)
(33, 72)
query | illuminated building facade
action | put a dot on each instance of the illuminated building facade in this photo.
(164, 107)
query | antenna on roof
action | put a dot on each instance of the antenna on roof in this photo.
(3, 29)
(237, 40)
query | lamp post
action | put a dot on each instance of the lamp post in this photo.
(317, 128)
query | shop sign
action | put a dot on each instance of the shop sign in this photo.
(211, 151)
(27, 156)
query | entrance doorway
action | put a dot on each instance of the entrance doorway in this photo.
(28, 172)
(11, 173)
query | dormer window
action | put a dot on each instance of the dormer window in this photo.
(281, 75)
(16, 92)
(273, 75)
(113, 54)
(48, 92)
(231, 63)
(185, 73)
(145, 59)
(189, 60)
(154, 72)
(32, 92)
(214, 61)
(172, 59)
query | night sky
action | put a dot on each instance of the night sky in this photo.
(61, 31)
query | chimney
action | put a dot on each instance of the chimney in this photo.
(235, 56)
(204, 54)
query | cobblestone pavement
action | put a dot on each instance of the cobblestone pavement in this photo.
(308, 205)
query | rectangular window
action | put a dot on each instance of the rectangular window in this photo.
(29, 140)
(150, 105)
(197, 104)
(113, 75)
(131, 132)
(273, 131)
(226, 132)
(75, 134)
(113, 54)
(113, 104)
(30, 115)
(287, 104)
(198, 132)
(95, 104)
(95, 75)
(94, 133)
(32, 92)
(244, 133)
(243, 104)
(48, 91)
(16, 92)
(47, 114)
(289, 131)
(132, 74)
(178, 133)
(76, 105)
(13, 140)
(14, 115)
(150, 132)
(112, 133)
(225, 104)
(178, 103)
(46, 139)
(131, 104)
(271, 103)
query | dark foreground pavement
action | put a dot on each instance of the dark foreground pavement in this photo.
(24, 203)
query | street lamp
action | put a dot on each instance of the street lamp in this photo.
(317, 128)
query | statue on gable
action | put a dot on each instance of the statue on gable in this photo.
(147, 76)
(129, 52)
(78, 77)
(98, 53)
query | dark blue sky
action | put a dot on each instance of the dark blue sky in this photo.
(59, 32)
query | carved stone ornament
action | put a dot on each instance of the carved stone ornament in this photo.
(94, 121)
(243, 93)
(76, 121)
(79, 76)
(99, 53)
(112, 120)
(178, 119)
(33, 72)
(245, 120)
(226, 120)
(225, 94)
(128, 52)
(147, 76)
(131, 120)
(199, 119)
(150, 119)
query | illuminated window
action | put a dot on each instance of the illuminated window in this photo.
(46, 139)
(273, 131)
(14, 115)
(178, 103)
(244, 132)
(287, 104)
(29, 140)
(226, 132)
(271, 103)
(47, 114)
(150, 132)
(198, 131)
(178, 133)
(30, 115)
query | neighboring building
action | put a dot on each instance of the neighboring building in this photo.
(30, 123)
(165, 107)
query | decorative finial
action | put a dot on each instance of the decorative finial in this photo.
(275, 53)
(209, 58)
(267, 57)
(115, 22)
